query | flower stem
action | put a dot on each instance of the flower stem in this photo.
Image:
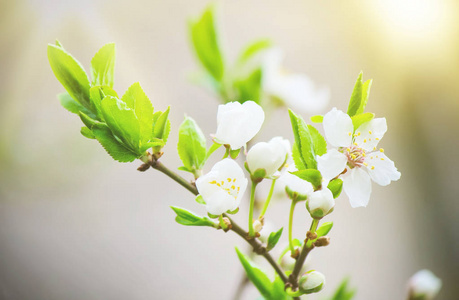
(265, 206)
(179, 179)
(290, 226)
(252, 201)
(308, 246)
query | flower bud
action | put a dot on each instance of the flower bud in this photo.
(311, 282)
(257, 226)
(297, 189)
(424, 285)
(267, 156)
(320, 203)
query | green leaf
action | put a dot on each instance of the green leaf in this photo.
(344, 292)
(253, 49)
(96, 94)
(317, 119)
(103, 66)
(87, 120)
(297, 158)
(358, 120)
(111, 144)
(187, 218)
(234, 153)
(123, 122)
(191, 145)
(320, 145)
(311, 175)
(359, 97)
(205, 39)
(303, 141)
(136, 99)
(200, 200)
(70, 74)
(256, 276)
(249, 88)
(72, 106)
(162, 125)
(335, 186)
(324, 229)
(274, 238)
(86, 132)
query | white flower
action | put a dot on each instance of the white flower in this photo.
(222, 188)
(311, 282)
(320, 203)
(356, 152)
(424, 284)
(238, 123)
(269, 156)
(296, 90)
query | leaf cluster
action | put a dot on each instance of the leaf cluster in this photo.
(126, 127)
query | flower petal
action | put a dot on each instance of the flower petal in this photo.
(338, 128)
(357, 186)
(381, 169)
(220, 202)
(369, 133)
(331, 164)
(238, 123)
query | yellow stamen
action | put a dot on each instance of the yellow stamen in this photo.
(372, 167)
(350, 133)
(381, 150)
(365, 140)
(229, 179)
(369, 131)
(213, 182)
(365, 164)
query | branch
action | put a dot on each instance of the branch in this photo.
(257, 246)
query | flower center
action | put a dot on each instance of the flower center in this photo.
(355, 156)
(229, 185)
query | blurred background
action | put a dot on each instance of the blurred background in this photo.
(74, 224)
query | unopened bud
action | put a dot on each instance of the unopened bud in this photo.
(322, 241)
(257, 225)
(424, 285)
(267, 156)
(320, 203)
(226, 224)
(311, 282)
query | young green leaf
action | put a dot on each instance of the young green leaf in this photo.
(324, 229)
(70, 74)
(358, 120)
(249, 88)
(86, 132)
(103, 66)
(136, 99)
(256, 276)
(297, 159)
(162, 125)
(187, 218)
(274, 238)
(253, 49)
(335, 186)
(123, 122)
(191, 145)
(359, 97)
(96, 94)
(344, 292)
(72, 106)
(317, 119)
(111, 144)
(320, 145)
(205, 39)
(303, 141)
(311, 175)
(200, 200)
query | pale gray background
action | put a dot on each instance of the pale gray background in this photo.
(76, 225)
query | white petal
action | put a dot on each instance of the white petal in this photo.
(296, 184)
(381, 169)
(338, 128)
(268, 156)
(357, 186)
(369, 133)
(219, 203)
(331, 164)
(238, 123)
(425, 283)
(322, 199)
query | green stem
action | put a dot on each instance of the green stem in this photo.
(252, 201)
(222, 223)
(290, 227)
(179, 179)
(308, 246)
(265, 206)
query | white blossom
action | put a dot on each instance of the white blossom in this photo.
(238, 123)
(320, 203)
(223, 187)
(269, 156)
(296, 90)
(424, 284)
(357, 153)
